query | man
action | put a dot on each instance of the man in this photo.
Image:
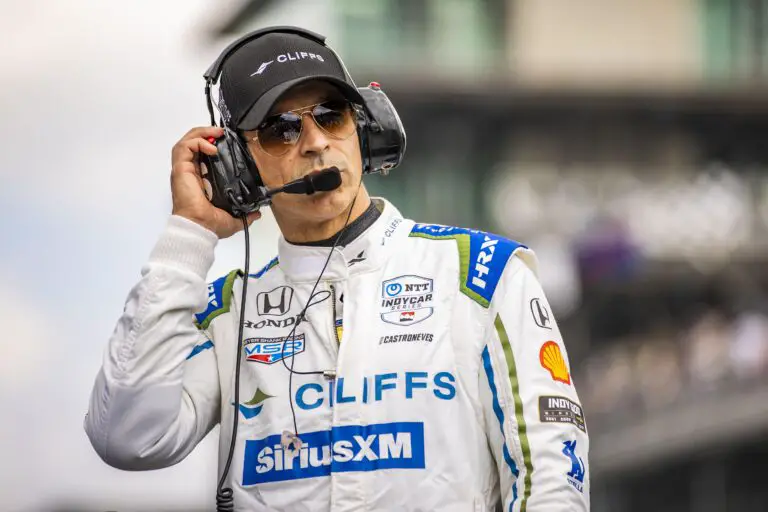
(425, 373)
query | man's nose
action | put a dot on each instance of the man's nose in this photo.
(314, 140)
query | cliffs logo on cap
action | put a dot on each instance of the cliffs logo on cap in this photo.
(406, 300)
(551, 358)
(288, 57)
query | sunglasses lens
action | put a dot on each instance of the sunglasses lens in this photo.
(278, 133)
(335, 118)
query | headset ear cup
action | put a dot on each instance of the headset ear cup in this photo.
(361, 120)
(383, 137)
(233, 181)
(248, 173)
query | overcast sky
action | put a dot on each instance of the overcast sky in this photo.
(94, 96)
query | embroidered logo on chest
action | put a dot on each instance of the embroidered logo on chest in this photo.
(406, 300)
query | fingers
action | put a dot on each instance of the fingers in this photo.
(193, 142)
(184, 151)
(187, 189)
(204, 132)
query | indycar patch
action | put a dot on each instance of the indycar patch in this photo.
(406, 300)
(559, 409)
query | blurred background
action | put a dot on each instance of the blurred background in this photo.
(623, 140)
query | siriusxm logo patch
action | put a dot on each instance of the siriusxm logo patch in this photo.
(341, 449)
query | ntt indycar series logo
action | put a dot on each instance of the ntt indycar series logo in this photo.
(341, 449)
(406, 300)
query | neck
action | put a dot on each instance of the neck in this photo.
(305, 232)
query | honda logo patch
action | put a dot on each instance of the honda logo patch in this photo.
(541, 314)
(276, 302)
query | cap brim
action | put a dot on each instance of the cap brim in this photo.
(262, 106)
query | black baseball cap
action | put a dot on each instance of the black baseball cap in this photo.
(261, 70)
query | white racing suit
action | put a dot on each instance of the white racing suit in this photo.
(448, 385)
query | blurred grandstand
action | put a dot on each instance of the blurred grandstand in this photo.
(625, 142)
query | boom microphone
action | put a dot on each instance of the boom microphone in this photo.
(322, 181)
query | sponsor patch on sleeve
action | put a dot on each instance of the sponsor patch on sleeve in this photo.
(482, 257)
(219, 298)
(552, 360)
(559, 409)
(578, 469)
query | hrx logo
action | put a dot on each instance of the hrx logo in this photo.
(341, 449)
(484, 257)
(212, 296)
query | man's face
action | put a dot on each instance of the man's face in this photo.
(315, 150)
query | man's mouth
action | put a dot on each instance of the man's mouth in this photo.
(318, 171)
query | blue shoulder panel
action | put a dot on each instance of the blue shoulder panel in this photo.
(482, 257)
(219, 295)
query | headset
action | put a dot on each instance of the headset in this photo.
(231, 179)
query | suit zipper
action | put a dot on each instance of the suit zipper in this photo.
(333, 305)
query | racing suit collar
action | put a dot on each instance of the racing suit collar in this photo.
(369, 251)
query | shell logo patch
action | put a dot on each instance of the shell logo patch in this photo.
(551, 358)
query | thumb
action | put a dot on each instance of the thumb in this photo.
(253, 217)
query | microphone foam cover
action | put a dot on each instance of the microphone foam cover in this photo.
(329, 179)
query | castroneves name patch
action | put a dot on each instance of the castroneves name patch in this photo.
(558, 409)
(341, 449)
(398, 338)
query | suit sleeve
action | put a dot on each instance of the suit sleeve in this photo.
(533, 418)
(157, 392)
